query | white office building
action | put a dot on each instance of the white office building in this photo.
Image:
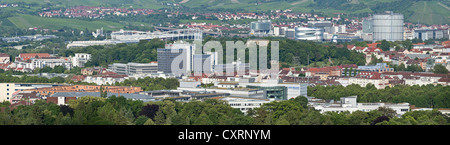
(134, 68)
(350, 104)
(244, 104)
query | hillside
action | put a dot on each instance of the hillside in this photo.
(27, 21)
(423, 11)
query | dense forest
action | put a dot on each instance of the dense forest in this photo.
(120, 111)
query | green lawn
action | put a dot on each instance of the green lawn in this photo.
(27, 21)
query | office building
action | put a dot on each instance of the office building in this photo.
(261, 28)
(176, 58)
(244, 104)
(134, 68)
(428, 34)
(379, 67)
(388, 26)
(327, 26)
(337, 38)
(204, 63)
(367, 26)
(349, 104)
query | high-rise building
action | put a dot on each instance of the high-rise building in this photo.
(204, 63)
(367, 26)
(388, 26)
(176, 58)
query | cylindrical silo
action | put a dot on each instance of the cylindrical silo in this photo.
(388, 26)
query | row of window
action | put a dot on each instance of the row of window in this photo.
(252, 104)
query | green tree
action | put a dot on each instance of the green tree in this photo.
(149, 122)
(440, 69)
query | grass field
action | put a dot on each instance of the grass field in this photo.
(27, 21)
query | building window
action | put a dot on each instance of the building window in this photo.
(404, 110)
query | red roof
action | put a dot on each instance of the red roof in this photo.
(350, 46)
(373, 50)
(372, 45)
(78, 77)
(4, 55)
(26, 56)
(419, 44)
(446, 43)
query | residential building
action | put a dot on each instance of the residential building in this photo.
(7, 90)
(26, 56)
(365, 78)
(105, 79)
(80, 59)
(41, 63)
(4, 58)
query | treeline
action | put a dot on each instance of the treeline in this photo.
(148, 83)
(120, 111)
(146, 51)
(7, 78)
(426, 96)
(142, 52)
(316, 52)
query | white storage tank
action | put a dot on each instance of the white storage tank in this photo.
(388, 26)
